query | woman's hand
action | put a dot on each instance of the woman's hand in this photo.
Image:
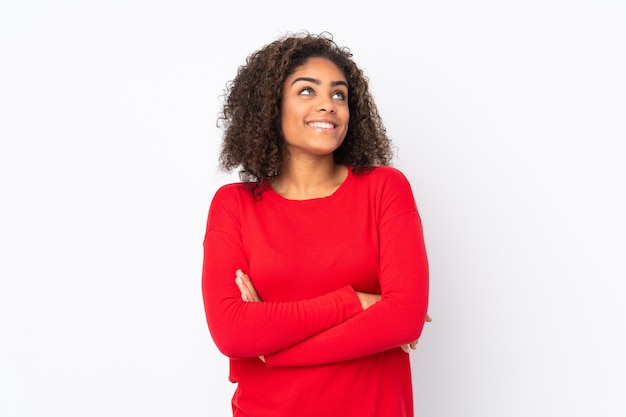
(248, 292)
(413, 345)
(367, 300)
(244, 283)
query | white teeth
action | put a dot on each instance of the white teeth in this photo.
(322, 125)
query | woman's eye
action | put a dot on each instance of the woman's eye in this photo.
(307, 91)
(340, 95)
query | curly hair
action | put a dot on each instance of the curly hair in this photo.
(251, 113)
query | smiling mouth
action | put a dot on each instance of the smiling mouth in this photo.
(322, 125)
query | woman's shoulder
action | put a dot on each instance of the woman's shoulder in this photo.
(388, 171)
(232, 192)
(230, 188)
(385, 176)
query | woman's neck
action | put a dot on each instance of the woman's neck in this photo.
(304, 180)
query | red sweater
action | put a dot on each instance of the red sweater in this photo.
(325, 357)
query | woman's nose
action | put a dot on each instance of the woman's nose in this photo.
(326, 104)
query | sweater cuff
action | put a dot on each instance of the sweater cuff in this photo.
(350, 300)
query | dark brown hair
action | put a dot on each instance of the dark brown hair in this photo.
(251, 113)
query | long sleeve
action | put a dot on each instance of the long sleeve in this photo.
(398, 318)
(242, 329)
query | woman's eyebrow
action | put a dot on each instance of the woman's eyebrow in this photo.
(318, 82)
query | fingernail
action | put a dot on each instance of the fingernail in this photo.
(239, 272)
(238, 280)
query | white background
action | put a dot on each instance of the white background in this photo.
(509, 120)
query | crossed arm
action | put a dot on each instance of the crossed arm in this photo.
(338, 326)
(249, 294)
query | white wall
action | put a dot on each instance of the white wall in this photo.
(509, 119)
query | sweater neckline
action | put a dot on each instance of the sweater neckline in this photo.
(273, 195)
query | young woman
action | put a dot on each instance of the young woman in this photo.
(315, 276)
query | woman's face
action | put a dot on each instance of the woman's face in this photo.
(315, 110)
